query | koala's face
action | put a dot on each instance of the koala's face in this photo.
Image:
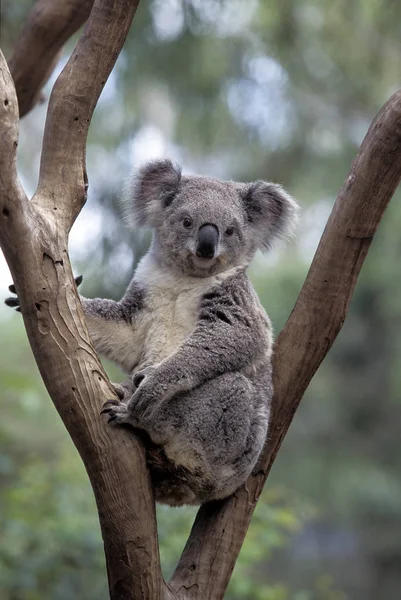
(205, 226)
(204, 230)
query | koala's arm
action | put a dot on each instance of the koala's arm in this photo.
(110, 323)
(232, 333)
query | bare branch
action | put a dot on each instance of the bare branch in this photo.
(9, 183)
(72, 103)
(34, 239)
(33, 236)
(50, 24)
(220, 528)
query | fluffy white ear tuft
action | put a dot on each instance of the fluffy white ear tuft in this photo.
(152, 190)
(270, 210)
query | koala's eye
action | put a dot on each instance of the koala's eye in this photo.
(230, 231)
(187, 222)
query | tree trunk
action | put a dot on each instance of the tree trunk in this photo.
(34, 237)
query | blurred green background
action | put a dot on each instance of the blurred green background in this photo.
(283, 90)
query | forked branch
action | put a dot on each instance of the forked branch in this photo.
(219, 530)
(72, 103)
(34, 239)
(50, 24)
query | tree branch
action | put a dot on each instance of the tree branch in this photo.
(11, 190)
(71, 106)
(219, 529)
(49, 26)
(34, 239)
(33, 236)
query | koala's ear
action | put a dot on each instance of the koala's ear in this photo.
(153, 189)
(272, 213)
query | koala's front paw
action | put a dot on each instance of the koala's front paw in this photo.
(124, 390)
(117, 412)
(149, 390)
(15, 303)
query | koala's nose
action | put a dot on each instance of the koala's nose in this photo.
(208, 237)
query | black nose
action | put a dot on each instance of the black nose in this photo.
(208, 237)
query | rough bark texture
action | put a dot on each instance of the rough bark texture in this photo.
(34, 237)
(50, 24)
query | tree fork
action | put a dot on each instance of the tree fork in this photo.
(34, 238)
(50, 24)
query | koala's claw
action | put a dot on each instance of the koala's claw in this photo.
(108, 405)
(120, 391)
(138, 378)
(143, 374)
(14, 302)
(117, 412)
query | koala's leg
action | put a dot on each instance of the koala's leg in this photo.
(211, 437)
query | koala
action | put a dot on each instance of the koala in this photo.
(191, 333)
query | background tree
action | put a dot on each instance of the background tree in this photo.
(292, 93)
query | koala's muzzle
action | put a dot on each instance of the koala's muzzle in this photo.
(208, 237)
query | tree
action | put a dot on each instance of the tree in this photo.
(34, 238)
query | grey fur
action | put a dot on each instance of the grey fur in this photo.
(192, 333)
(270, 210)
(153, 188)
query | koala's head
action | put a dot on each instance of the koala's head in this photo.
(204, 226)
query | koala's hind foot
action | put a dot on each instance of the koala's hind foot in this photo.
(140, 397)
(117, 411)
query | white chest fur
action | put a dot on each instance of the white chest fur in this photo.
(168, 319)
(170, 313)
